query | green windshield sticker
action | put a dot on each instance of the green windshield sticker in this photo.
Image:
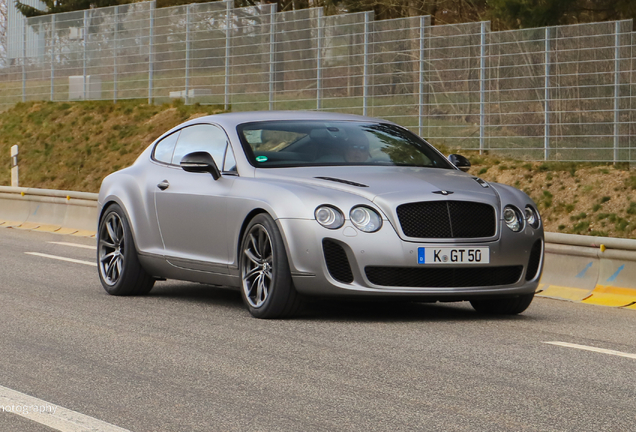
(261, 158)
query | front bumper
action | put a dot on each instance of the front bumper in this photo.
(304, 243)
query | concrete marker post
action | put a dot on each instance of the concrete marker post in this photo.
(14, 166)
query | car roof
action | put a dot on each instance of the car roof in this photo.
(231, 120)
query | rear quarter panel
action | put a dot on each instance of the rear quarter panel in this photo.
(131, 189)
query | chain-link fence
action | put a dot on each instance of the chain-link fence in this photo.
(557, 93)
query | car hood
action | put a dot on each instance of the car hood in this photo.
(388, 186)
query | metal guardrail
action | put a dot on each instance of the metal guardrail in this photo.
(553, 93)
(52, 193)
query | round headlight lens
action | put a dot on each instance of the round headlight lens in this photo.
(365, 219)
(532, 217)
(512, 217)
(329, 217)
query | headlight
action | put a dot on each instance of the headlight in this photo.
(365, 219)
(512, 217)
(329, 217)
(532, 217)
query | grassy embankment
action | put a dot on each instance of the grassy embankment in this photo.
(75, 145)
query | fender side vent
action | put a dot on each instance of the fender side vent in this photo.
(342, 181)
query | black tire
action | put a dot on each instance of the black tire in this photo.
(118, 265)
(505, 306)
(266, 284)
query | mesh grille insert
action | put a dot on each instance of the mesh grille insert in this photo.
(534, 261)
(447, 219)
(337, 261)
(438, 277)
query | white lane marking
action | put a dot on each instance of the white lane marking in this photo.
(593, 349)
(51, 415)
(62, 258)
(74, 245)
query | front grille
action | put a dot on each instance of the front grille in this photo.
(337, 261)
(534, 261)
(439, 277)
(447, 219)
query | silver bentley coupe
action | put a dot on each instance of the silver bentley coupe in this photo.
(287, 205)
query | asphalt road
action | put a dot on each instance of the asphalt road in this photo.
(189, 357)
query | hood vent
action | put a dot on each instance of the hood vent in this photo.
(342, 181)
(481, 182)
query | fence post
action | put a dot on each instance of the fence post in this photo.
(187, 58)
(228, 34)
(52, 57)
(365, 70)
(115, 37)
(272, 53)
(617, 69)
(85, 37)
(151, 59)
(24, 43)
(420, 112)
(320, 25)
(546, 97)
(482, 81)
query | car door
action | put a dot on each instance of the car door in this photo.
(191, 207)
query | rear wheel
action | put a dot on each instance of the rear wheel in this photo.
(267, 287)
(119, 269)
(505, 306)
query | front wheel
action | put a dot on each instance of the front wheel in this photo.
(119, 269)
(505, 306)
(267, 287)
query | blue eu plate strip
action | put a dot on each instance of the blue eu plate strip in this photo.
(421, 256)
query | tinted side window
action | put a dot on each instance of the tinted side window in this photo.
(165, 148)
(201, 137)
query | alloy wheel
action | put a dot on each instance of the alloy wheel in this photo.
(256, 271)
(111, 249)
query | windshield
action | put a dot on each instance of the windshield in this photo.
(297, 143)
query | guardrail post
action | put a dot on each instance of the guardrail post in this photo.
(365, 70)
(14, 166)
(617, 69)
(321, 35)
(546, 97)
(228, 35)
(115, 37)
(151, 60)
(187, 53)
(420, 113)
(52, 57)
(272, 53)
(482, 90)
(85, 37)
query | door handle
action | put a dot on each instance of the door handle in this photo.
(163, 185)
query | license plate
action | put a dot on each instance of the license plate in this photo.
(433, 255)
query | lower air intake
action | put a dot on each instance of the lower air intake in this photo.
(337, 261)
(534, 261)
(420, 277)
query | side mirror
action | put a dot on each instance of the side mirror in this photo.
(460, 162)
(200, 162)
